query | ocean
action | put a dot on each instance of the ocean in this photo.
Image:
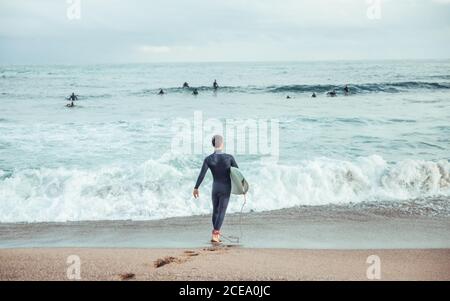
(383, 147)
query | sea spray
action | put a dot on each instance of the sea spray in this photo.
(161, 188)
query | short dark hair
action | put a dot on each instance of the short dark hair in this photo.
(219, 138)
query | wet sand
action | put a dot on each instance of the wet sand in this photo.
(295, 228)
(309, 243)
(223, 263)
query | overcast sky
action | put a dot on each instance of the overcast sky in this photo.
(109, 31)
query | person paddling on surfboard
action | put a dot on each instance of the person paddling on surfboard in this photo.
(219, 163)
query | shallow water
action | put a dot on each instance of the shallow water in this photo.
(109, 158)
(305, 228)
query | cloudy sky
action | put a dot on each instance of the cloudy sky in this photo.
(113, 31)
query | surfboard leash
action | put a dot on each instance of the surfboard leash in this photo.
(237, 239)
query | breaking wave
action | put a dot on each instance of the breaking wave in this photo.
(162, 188)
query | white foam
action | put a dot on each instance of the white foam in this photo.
(162, 188)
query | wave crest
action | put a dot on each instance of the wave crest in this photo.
(161, 188)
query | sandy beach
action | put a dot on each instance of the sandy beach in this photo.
(223, 263)
(314, 243)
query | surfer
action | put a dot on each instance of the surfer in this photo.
(72, 97)
(314, 95)
(288, 97)
(219, 163)
(161, 92)
(332, 93)
(195, 92)
(346, 90)
(215, 85)
(185, 85)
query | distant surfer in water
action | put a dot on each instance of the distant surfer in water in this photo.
(314, 95)
(219, 163)
(72, 97)
(185, 85)
(161, 92)
(195, 92)
(215, 85)
(346, 90)
(332, 93)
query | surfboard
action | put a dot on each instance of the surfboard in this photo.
(239, 184)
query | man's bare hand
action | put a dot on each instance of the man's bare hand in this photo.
(195, 193)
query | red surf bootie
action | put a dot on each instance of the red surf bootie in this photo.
(215, 236)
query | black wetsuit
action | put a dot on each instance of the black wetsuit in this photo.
(220, 164)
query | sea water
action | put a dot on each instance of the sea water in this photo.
(109, 158)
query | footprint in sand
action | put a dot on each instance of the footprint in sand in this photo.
(126, 276)
(191, 253)
(165, 260)
(160, 262)
(219, 247)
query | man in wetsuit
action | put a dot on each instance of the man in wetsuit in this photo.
(215, 85)
(219, 163)
(346, 90)
(72, 97)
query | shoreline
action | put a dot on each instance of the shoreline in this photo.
(298, 228)
(307, 243)
(223, 263)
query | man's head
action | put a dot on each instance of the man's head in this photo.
(217, 142)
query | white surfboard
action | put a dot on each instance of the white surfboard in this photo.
(238, 183)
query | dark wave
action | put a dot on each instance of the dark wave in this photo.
(224, 89)
(394, 87)
(388, 87)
